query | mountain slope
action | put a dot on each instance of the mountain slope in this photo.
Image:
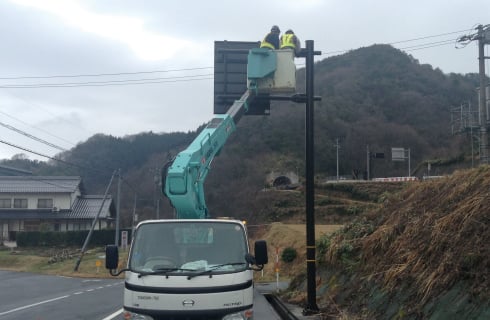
(424, 254)
(376, 97)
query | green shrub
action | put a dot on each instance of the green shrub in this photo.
(322, 246)
(63, 239)
(288, 254)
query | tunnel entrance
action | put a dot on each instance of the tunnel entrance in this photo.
(281, 181)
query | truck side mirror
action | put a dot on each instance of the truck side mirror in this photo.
(111, 257)
(261, 257)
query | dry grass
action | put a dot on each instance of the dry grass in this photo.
(424, 239)
(280, 236)
(92, 264)
(434, 234)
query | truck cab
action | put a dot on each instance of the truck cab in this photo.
(190, 269)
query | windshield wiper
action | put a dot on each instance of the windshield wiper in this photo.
(160, 271)
(213, 268)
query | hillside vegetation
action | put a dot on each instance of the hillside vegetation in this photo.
(423, 254)
(376, 96)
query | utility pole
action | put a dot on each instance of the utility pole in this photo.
(337, 146)
(118, 208)
(483, 37)
(133, 223)
(87, 239)
(368, 164)
(483, 99)
(409, 169)
(156, 194)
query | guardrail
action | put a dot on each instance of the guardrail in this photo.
(395, 179)
(279, 307)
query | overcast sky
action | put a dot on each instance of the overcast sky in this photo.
(121, 40)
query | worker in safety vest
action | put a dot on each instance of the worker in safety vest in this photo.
(290, 41)
(271, 40)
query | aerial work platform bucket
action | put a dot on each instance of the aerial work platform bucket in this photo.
(271, 71)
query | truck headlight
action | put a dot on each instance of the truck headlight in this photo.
(244, 315)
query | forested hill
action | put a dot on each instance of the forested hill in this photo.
(376, 96)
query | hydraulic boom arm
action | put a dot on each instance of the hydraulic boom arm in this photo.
(183, 179)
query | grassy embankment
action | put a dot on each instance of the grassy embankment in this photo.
(54, 261)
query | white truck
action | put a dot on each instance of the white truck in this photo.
(189, 269)
(195, 267)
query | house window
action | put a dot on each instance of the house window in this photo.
(5, 203)
(44, 203)
(20, 203)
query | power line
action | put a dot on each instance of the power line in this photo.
(41, 155)
(31, 136)
(429, 45)
(40, 129)
(209, 76)
(427, 37)
(420, 46)
(202, 68)
(103, 74)
(123, 81)
(38, 106)
(56, 159)
(106, 83)
(133, 188)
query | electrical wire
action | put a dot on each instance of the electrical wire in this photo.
(55, 158)
(428, 37)
(133, 188)
(41, 155)
(106, 83)
(40, 129)
(103, 74)
(150, 81)
(31, 136)
(208, 76)
(429, 45)
(410, 40)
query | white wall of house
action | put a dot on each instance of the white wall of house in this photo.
(60, 200)
(74, 196)
(4, 227)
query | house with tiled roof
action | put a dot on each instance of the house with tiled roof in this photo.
(35, 203)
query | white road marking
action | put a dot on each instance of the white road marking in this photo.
(110, 317)
(59, 298)
(32, 305)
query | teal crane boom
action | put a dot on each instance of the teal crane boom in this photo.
(183, 179)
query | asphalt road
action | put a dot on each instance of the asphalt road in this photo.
(42, 297)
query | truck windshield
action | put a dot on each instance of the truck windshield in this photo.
(189, 247)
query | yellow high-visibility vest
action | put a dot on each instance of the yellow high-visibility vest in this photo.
(287, 41)
(265, 44)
